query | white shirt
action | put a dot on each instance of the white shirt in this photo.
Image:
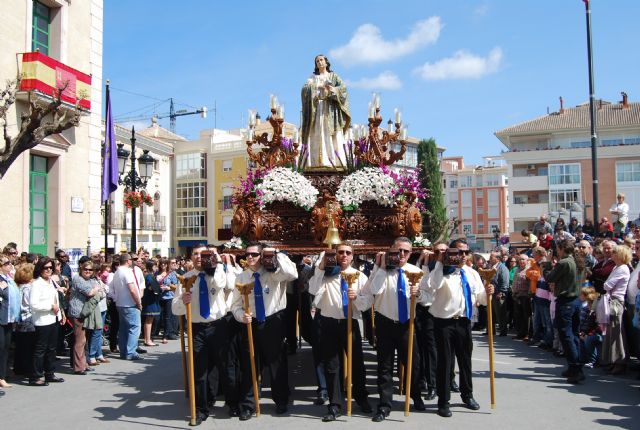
(328, 292)
(447, 291)
(384, 287)
(274, 288)
(120, 286)
(141, 284)
(216, 284)
(622, 210)
(632, 289)
(43, 296)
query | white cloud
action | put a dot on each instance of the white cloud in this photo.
(367, 45)
(384, 81)
(462, 65)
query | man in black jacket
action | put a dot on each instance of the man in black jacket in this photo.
(501, 284)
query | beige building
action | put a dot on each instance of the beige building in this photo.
(549, 163)
(477, 196)
(51, 194)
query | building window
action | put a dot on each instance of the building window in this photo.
(628, 171)
(492, 180)
(581, 144)
(480, 228)
(226, 199)
(632, 141)
(41, 26)
(226, 165)
(562, 174)
(466, 213)
(494, 212)
(479, 181)
(466, 229)
(562, 199)
(466, 181)
(191, 166)
(190, 195)
(611, 142)
(226, 222)
(453, 183)
(191, 224)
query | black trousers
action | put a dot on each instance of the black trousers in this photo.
(270, 354)
(209, 351)
(290, 318)
(5, 341)
(233, 371)
(453, 338)
(391, 337)
(114, 320)
(500, 313)
(333, 343)
(427, 352)
(23, 355)
(315, 331)
(44, 354)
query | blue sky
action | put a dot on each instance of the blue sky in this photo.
(458, 70)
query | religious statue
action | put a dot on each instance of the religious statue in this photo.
(325, 116)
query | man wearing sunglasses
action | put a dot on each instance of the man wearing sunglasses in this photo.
(392, 296)
(332, 295)
(267, 304)
(455, 291)
(210, 332)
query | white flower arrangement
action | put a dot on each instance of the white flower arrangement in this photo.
(370, 183)
(420, 240)
(282, 183)
(234, 243)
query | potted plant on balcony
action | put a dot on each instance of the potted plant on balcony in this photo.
(135, 199)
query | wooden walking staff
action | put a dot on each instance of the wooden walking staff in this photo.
(245, 289)
(487, 275)
(184, 356)
(187, 283)
(414, 278)
(350, 278)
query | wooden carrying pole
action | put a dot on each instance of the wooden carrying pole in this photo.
(350, 278)
(487, 275)
(184, 356)
(244, 289)
(186, 285)
(414, 278)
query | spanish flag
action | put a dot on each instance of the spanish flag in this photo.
(45, 75)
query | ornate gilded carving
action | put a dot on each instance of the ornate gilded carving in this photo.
(377, 152)
(272, 153)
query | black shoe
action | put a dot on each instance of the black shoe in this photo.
(418, 404)
(364, 405)
(431, 394)
(566, 373)
(576, 377)
(246, 414)
(38, 383)
(470, 403)
(200, 417)
(454, 387)
(321, 399)
(234, 411)
(141, 351)
(379, 417)
(331, 415)
(281, 409)
(210, 405)
(53, 378)
(444, 411)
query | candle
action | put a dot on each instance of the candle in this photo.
(371, 110)
(398, 116)
(295, 135)
(252, 118)
(403, 133)
(377, 103)
(272, 101)
(281, 111)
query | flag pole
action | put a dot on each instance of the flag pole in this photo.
(104, 154)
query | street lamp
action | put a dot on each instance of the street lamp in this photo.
(496, 235)
(132, 180)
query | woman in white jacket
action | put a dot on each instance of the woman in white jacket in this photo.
(46, 317)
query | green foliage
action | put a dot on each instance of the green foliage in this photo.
(436, 226)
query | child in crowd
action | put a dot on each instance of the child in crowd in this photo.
(590, 335)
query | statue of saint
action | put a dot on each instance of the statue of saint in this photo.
(325, 116)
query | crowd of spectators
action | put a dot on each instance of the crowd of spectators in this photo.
(47, 311)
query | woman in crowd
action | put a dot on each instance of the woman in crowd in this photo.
(561, 224)
(573, 225)
(83, 287)
(25, 335)
(9, 314)
(95, 340)
(150, 301)
(168, 281)
(47, 316)
(62, 284)
(610, 310)
(589, 228)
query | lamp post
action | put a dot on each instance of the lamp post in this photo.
(496, 235)
(132, 180)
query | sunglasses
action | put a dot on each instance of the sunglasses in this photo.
(344, 252)
(252, 254)
(47, 268)
(134, 259)
(404, 251)
(87, 269)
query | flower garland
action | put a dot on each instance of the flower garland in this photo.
(248, 187)
(134, 199)
(370, 183)
(285, 184)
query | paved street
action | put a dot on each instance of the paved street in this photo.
(148, 394)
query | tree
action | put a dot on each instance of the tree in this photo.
(436, 224)
(34, 126)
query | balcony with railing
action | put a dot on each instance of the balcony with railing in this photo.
(122, 221)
